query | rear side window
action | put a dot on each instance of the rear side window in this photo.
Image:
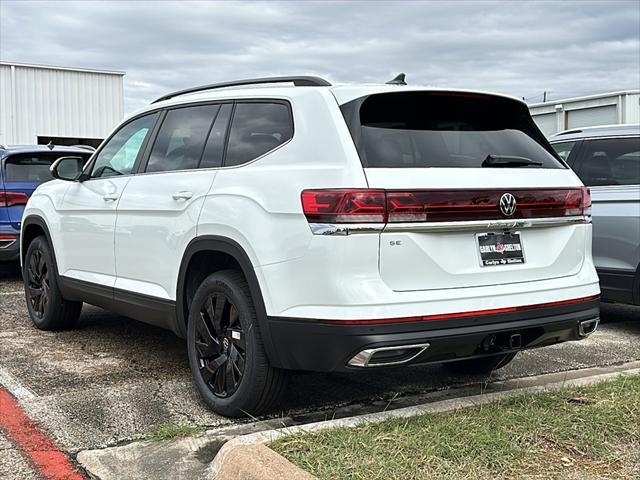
(257, 128)
(443, 129)
(34, 168)
(181, 138)
(612, 161)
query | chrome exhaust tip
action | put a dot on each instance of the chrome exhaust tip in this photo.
(587, 327)
(386, 356)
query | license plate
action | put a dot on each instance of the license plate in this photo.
(500, 249)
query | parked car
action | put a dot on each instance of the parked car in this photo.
(607, 159)
(22, 169)
(304, 226)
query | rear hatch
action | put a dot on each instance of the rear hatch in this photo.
(475, 195)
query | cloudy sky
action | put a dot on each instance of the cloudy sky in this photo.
(568, 48)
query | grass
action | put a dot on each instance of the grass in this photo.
(591, 432)
(168, 432)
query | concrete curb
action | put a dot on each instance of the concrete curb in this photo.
(259, 462)
(233, 454)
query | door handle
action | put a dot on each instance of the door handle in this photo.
(184, 195)
(110, 197)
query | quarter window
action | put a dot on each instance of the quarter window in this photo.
(181, 138)
(257, 128)
(564, 149)
(613, 161)
(119, 155)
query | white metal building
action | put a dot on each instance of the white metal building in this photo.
(603, 109)
(68, 106)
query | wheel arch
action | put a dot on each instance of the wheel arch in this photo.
(205, 255)
(33, 226)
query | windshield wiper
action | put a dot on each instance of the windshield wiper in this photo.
(509, 161)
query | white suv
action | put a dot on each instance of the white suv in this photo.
(286, 224)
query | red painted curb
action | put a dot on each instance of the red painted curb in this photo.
(50, 462)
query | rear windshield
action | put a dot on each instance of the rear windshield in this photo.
(443, 129)
(33, 167)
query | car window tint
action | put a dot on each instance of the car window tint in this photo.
(256, 129)
(119, 155)
(33, 167)
(443, 130)
(564, 149)
(612, 161)
(181, 138)
(214, 149)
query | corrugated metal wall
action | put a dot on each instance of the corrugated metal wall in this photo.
(594, 110)
(57, 103)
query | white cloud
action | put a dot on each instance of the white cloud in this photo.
(568, 48)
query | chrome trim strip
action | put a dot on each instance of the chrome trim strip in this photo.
(363, 358)
(8, 244)
(344, 229)
(484, 225)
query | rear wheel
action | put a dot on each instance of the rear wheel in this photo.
(228, 362)
(47, 308)
(479, 365)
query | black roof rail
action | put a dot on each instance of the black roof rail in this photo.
(568, 132)
(297, 81)
(85, 147)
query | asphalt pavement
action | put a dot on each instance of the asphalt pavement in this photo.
(113, 380)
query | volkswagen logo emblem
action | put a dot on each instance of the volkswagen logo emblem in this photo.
(507, 204)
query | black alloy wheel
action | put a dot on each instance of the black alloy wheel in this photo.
(38, 286)
(228, 361)
(220, 345)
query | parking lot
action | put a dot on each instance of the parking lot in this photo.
(113, 380)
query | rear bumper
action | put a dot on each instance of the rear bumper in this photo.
(303, 344)
(9, 249)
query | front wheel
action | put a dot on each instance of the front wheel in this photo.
(481, 365)
(47, 308)
(227, 359)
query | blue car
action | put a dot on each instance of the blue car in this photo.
(22, 169)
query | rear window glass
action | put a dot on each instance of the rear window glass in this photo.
(425, 129)
(34, 168)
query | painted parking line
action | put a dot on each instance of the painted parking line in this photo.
(50, 462)
(14, 387)
(17, 292)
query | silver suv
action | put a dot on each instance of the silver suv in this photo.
(607, 159)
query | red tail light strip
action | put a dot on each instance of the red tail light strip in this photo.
(391, 206)
(450, 316)
(9, 199)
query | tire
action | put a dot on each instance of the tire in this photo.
(481, 365)
(47, 308)
(226, 354)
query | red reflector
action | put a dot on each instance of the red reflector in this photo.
(450, 316)
(9, 199)
(344, 206)
(4, 238)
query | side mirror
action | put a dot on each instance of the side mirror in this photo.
(67, 168)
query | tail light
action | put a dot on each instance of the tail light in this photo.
(344, 206)
(586, 202)
(9, 199)
(391, 206)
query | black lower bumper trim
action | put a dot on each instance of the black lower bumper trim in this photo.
(304, 344)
